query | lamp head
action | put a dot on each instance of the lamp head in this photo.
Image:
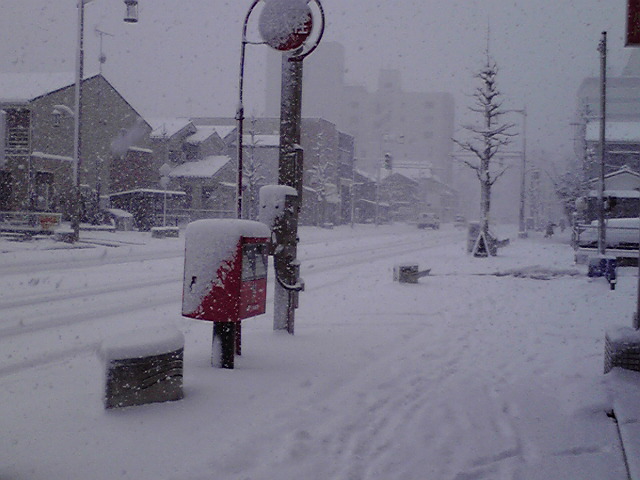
(131, 15)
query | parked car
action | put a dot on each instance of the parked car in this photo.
(621, 233)
(428, 220)
(460, 221)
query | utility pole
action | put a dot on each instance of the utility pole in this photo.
(522, 232)
(288, 26)
(602, 234)
(290, 173)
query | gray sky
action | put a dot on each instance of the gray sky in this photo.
(182, 58)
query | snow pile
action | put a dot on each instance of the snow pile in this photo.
(142, 343)
(538, 272)
(273, 202)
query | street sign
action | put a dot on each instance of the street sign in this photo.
(285, 24)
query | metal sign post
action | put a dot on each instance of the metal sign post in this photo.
(290, 169)
(288, 26)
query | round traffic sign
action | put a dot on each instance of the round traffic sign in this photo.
(285, 24)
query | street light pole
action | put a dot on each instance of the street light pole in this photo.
(522, 224)
(522, 232)
(131, 17)
(77, 139)
(240, 109)
(602, 235)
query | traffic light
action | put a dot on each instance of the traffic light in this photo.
(388, 161)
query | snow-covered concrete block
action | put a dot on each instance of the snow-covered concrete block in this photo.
(622, 349)
(143, 366)
(408, 273)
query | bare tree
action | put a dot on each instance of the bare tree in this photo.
(570, 184)
(251, 175)
(486, 138)
(323, 183)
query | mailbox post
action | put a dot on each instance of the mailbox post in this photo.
(225, 278)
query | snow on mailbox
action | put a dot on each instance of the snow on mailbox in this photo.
(225, 270)
(225, 279)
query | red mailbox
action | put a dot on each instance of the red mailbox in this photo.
(225, 278)
(225, 270)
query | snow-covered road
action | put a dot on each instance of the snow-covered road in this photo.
(57, 297)
(466, 375)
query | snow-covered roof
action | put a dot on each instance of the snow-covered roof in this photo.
(148, 190)
(133, 148)
(50, 156)
(203, 132)
(624, 171)
(614, 131)
(366, 175)
(200, 169)
(118, 212)
(224, 130)
(23, 87)
(167, 127)
(616, 193)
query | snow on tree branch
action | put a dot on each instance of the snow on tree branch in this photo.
(486, 139)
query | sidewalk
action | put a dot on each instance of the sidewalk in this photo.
(624, 387)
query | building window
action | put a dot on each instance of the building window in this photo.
(188, 199)
(6, 188)
(17, 131)
(207, 195)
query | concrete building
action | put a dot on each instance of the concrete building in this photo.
(414, 127)
(622, 127)
(328, 163)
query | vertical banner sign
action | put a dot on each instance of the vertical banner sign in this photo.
(633, 23)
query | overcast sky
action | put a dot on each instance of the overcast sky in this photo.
(182, 58)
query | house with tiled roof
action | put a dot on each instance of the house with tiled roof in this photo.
(37, 173)
(210, 186)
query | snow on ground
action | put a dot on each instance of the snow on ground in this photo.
(486, 369)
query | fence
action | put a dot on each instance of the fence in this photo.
(29, 222)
